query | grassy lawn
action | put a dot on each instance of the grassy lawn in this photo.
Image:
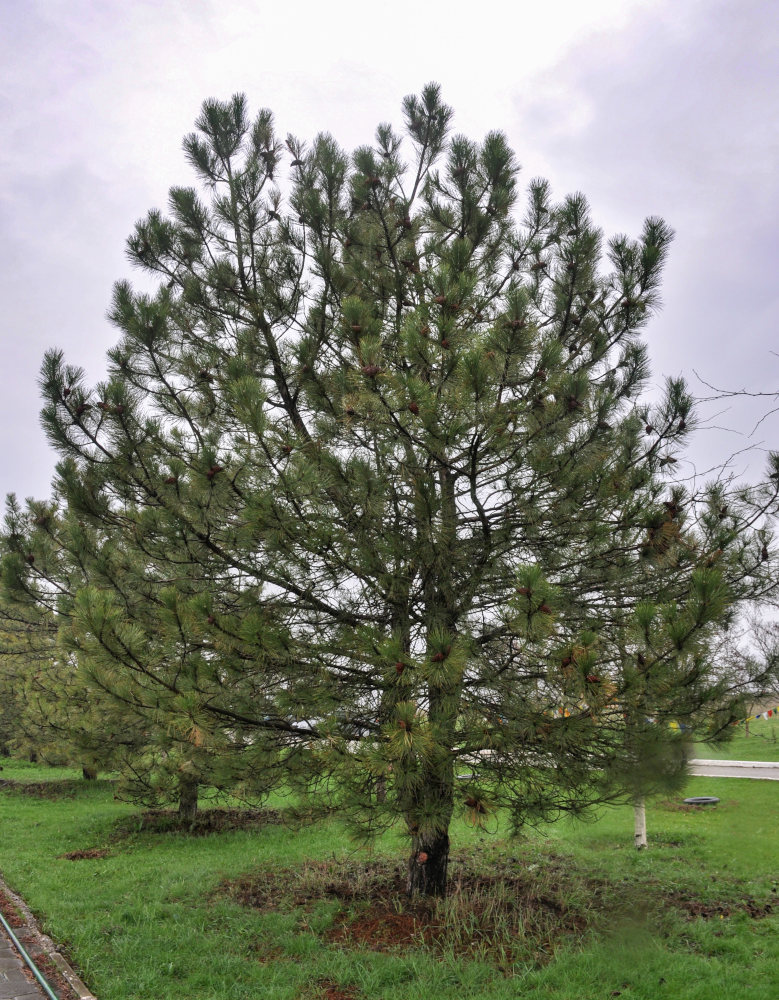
(759, 742)
(569, 911)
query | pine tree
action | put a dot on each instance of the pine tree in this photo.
(376, 454)
(115, 690)
(60, 716)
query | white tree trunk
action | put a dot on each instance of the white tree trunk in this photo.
(639, 814)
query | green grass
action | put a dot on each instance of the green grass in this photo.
(759, 742)
(147, 921)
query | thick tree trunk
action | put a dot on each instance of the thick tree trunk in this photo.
(89, 772)
(188, 789)
(639, 815)
(428, 865)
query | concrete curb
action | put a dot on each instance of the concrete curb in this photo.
(764, 770)
(43, 943)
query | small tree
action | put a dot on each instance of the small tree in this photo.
(376, 455)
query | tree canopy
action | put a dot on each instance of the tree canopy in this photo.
(371, 503)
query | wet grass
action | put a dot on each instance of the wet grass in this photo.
(238, 911)
(759, 740)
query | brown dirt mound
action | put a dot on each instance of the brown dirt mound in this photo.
(381, 928)
(720, 908)
(62, 788)
(328, 989)
(207, 821)
(88, 854)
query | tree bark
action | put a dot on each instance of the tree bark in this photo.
(188, 789)
(639, 815)
(428, 865)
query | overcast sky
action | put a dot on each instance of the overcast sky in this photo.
(650, 107)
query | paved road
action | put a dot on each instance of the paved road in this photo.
(764, 770)
(15, 982)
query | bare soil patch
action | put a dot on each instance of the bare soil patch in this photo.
(41, 789)
(89, 854)
(708, 910)
(206, 822)
(65, 788)
(328, 989)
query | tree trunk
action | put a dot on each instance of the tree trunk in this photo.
(428, 865)
(639, 815)
(188, 788)
(89, 772)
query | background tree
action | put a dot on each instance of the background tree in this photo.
(115, 690)
(375, 455)
(59, 716)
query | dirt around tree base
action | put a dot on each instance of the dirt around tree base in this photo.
(494, 910)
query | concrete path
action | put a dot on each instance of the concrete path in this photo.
(764, 770)
(16, 981)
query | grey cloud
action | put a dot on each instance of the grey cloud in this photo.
(682, 120)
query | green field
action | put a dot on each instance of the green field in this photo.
(757, 741)
(159, 915)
